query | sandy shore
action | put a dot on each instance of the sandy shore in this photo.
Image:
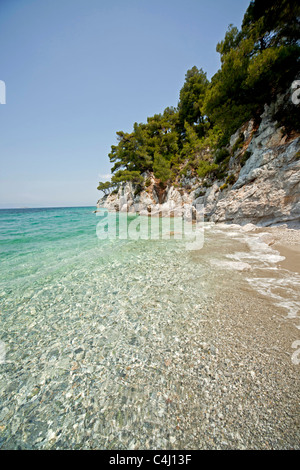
(287, 242)
(254, 366)
(250, 382)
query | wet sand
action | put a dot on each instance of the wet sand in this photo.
(287, 242)
(292, 257)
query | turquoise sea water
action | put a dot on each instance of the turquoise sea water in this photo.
(34, 240)
(76, 313)
(101, 341)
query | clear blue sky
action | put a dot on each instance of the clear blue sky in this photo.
(77, 71)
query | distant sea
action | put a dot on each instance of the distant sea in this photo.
(88, 326)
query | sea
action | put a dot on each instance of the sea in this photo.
(102, 337)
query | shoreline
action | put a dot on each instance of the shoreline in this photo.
(287, 242)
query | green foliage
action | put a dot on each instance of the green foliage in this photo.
(222, 169)
(231, 179)
(161, 168)
(138, 189)
(245, 157)
(191, 99)
(197, 149)
(131, 153)
(224, 186)
(162, 136)
(122, 176)
(257, 62)
(221, 174)
(239, 143)
(192, 143)
(288, 115)
(135, 152)
(212, 138)
(105, 187)
(205, 168)
(221, 154)
(279, 18)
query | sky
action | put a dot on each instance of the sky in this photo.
(78, 71)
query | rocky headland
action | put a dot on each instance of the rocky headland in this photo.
(262, 187)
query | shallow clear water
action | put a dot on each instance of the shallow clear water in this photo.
(97, 335)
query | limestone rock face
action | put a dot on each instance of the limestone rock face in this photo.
(174, 203)
(266, 191)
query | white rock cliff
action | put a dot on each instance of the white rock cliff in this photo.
(266, 191)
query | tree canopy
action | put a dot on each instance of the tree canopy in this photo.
(257, 62)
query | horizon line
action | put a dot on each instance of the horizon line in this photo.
(46, 207)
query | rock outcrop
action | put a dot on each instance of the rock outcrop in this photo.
(267, 191)
(263, 188)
